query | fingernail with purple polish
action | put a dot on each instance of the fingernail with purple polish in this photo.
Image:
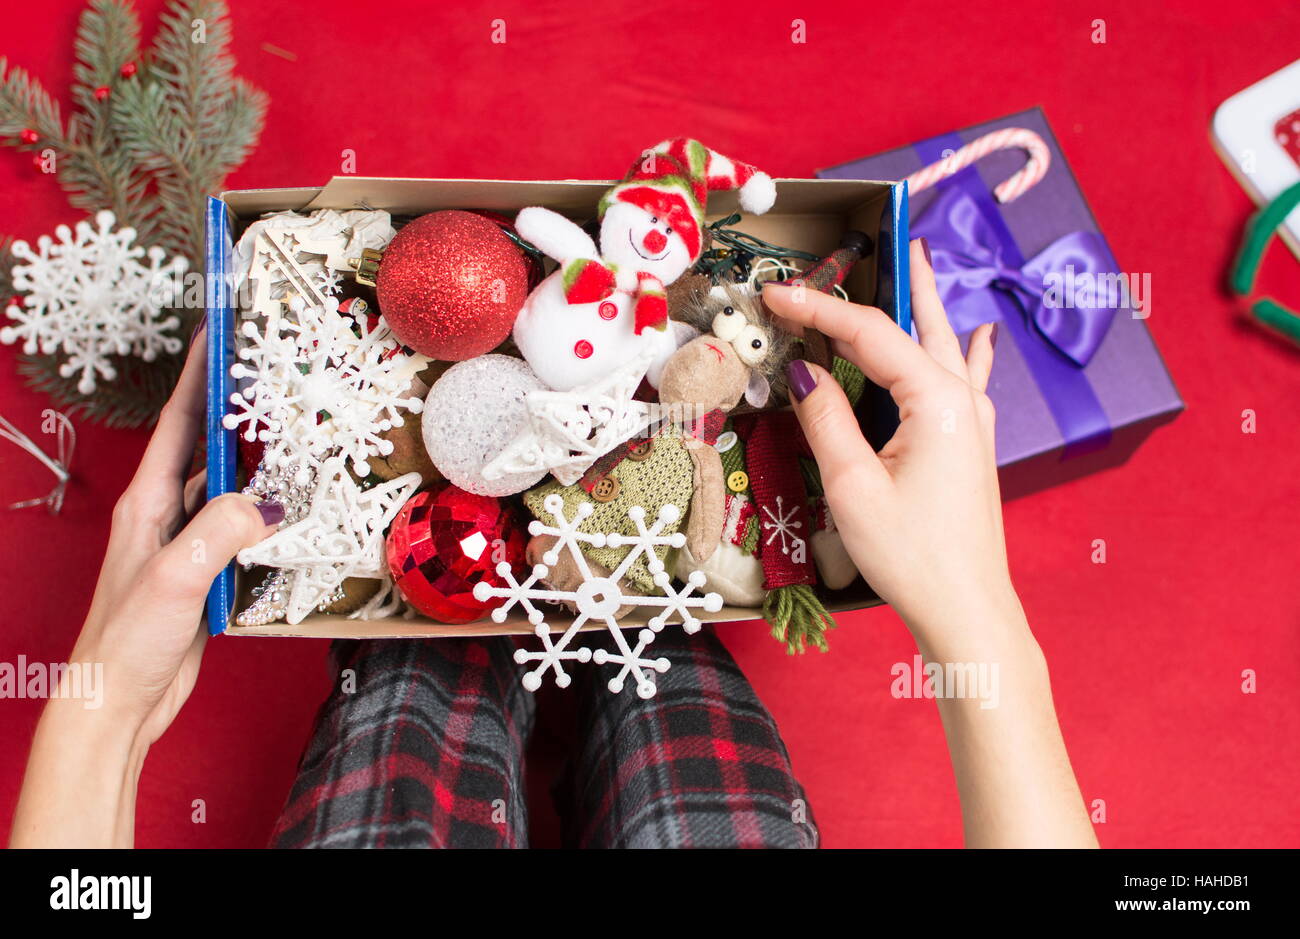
(800, 378)
(272, 512)
(925, 246)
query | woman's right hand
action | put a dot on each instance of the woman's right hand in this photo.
(922, 519)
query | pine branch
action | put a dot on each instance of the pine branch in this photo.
(245, 117)
(197, 76)
(99, 174)
(142, 123)
(133, 399)
(108, 37)
(24, 104)
(192, 122)
(162, 140)
(94, 179)
(151, 150)
(6, 273)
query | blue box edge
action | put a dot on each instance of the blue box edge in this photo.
(221, 445)
(902, 262)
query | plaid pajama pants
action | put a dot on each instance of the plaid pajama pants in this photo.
(421, 744)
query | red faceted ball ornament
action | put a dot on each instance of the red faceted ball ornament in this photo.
(446, 540)
(450, 285)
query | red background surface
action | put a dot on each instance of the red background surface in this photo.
(1146, 650)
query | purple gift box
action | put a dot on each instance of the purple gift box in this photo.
(1077, 380)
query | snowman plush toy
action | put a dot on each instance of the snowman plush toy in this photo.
(606, 309)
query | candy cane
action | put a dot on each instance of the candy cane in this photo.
(1027, 176)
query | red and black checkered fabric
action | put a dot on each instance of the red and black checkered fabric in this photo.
(427, 751)
(699, 765)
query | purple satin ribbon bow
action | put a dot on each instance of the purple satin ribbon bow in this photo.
(970, 263)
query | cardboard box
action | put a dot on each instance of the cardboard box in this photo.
(809, 215)
(1056, 420)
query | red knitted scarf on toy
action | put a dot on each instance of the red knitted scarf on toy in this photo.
(772, 459)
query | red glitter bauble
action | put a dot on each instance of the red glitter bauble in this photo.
(532, 259)
(450, 285)
(445, 541)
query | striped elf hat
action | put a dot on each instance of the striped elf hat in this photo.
(673, 181)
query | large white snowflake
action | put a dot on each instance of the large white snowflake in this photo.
(313, 387)
(89, 297)
(341, 536)
(600, 598)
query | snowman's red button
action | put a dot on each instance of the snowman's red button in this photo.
(608, 310)
(582, 349)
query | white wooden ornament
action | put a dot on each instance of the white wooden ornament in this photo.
(341, 536)
(599, 598)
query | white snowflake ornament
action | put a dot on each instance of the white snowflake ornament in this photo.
(600, 598)
(313, 387)
(89, 296)
(341, 536)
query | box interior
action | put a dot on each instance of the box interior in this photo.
(809, 215)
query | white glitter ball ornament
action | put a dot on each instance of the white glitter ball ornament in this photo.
(471, 413)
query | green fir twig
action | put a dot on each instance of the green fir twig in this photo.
(150, 144)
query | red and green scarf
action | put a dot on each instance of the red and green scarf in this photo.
(588, 280)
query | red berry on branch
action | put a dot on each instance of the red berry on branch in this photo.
(29, 136)
(128, 70)
(15, 300)
(102, 92)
